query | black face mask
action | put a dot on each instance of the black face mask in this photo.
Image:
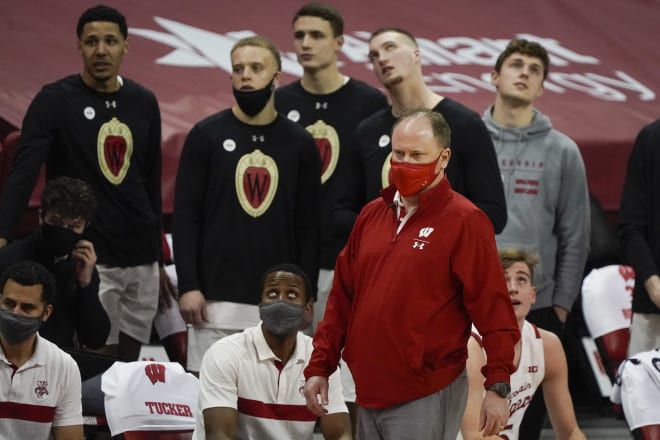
(252, 102)
(58, 242)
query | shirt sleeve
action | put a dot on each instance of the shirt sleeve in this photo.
(308, 210)
(573, 228)
(218, 378)
(190, 190)
(93, 324)
(481, 173)
(486, 297)
(331, 331)
(153, 176)
(38, 134)
(633, 213)
(69, 406)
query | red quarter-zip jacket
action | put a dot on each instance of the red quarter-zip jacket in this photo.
(402, 305)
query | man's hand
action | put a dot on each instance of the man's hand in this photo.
(167, 292)
(494, 414)
(193, 307)
(84, 256)
(3, 242)
(652, 286)
(315, 386)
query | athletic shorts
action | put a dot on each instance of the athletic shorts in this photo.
(129, 296)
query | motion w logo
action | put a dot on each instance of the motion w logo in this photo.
(425, 232)
(155, 373)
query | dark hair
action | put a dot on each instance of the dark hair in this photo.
(510, 256)
(68, 197)
(324, 12)
(30, 273)
(310, 291)
(260, 41)
(102, 13)
(525, 47)
(398, 30)
(441, 131)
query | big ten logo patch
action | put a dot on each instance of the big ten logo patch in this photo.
(114, 149)
(256, 182)
(327, 142)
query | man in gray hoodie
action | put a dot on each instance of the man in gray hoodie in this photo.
(545, 187)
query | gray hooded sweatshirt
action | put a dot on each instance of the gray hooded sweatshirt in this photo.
(547, 202)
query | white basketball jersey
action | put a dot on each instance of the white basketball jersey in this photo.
(525, 380)
(637, 389)
(149, 396)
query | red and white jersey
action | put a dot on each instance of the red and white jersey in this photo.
(637, 389)
(149, 396)
(44, 392)
(241, 372)
(525, 380)
(607, 299)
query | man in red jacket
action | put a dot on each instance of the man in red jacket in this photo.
(420, 266)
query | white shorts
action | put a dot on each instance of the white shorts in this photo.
(225, 318)
(129, 296)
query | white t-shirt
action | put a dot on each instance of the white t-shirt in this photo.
(44, 392)
(150, 396)
(637, 389)
(241, 372)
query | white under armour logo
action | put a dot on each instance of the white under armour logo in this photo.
(321, 105)
(425, 232)
(419, 245)
(256, 138)
(109, 104)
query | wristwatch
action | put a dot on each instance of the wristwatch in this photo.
(501, 388)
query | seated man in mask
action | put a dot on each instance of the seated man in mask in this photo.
(39, 383)
(251, 382)
(58, 244)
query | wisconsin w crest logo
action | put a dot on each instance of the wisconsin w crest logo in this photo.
(114, 148)
(385, 172)
(256, 182)
(327, 141)
(155, 373)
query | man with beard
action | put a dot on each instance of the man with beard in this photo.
(67, 205)
(39, 383)
(247, 197)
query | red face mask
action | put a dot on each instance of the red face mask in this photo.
(412, 178)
